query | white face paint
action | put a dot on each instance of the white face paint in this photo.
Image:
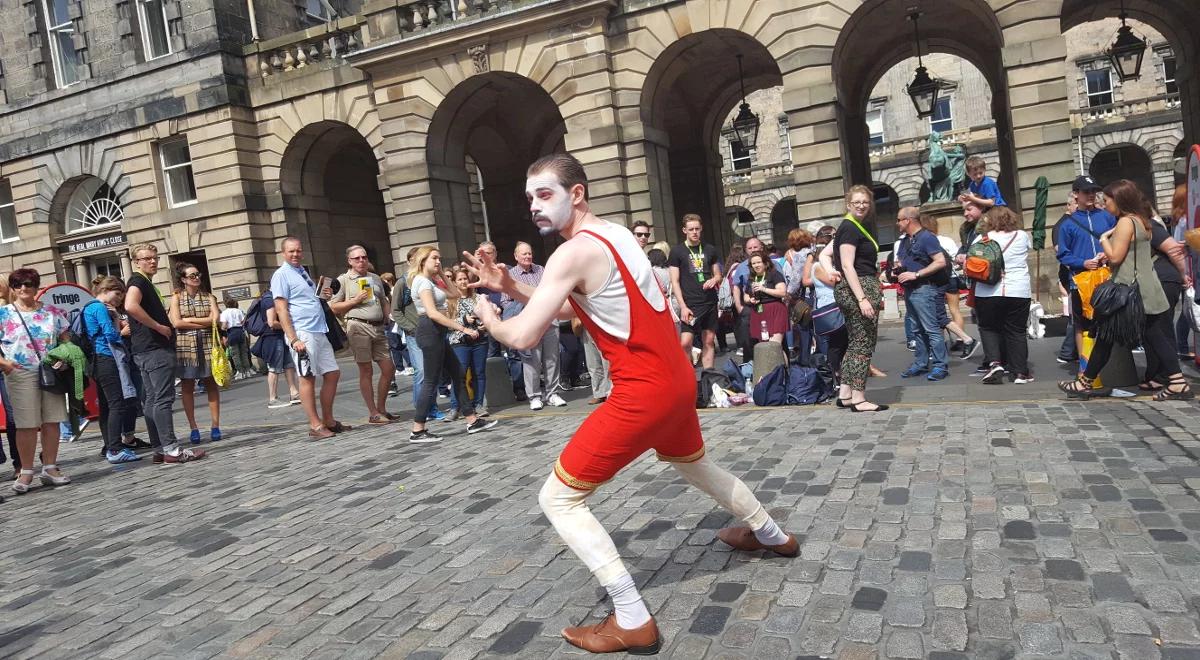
(549, 203)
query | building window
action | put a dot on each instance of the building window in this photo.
(8, 214)
(1169, 75)
(62, 47)
(875, 127)
(740, 158)
(177, 173)
(1099, 87)
(318, 10)
(93, 205)
(942, 120)
(785, 140)
(152, 16)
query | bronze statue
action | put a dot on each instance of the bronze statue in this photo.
(945, 171)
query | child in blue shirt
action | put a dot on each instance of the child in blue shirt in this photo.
(983, 189)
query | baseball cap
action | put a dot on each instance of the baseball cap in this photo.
(1086, 184)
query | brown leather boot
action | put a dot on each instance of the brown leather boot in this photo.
(742, 538)
(608, 637)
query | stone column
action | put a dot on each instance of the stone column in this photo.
(126, 265)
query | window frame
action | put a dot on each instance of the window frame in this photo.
(165, 170)
(321, 17)
(1170, 73)
(143, 10)
(733, 160)
(785, 138)
(11, 207)
(53, 32)
(871, 137)
(949, 101)
(1087, 87)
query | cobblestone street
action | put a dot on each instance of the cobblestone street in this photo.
(941, 531)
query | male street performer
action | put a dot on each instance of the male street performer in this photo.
(601, 275)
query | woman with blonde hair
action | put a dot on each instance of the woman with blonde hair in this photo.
(855, 270)
(194, 312)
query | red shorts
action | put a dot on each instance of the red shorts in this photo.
(623, 428)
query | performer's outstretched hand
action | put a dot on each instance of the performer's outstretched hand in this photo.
(485, 311)
(492, 276)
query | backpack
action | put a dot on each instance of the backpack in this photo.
(725, 292)
(985, 261)
(791, 385)
(737, 380)
(256, 316)
(708, 378)
(79, 333)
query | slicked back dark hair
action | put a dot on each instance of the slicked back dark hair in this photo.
(565, 166)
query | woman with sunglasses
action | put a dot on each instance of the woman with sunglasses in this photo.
(193, 313)
(30, 329)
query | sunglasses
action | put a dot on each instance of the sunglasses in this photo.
(22, 285)
(193, 276)
(642, 234)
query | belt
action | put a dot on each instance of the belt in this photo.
(375, 323)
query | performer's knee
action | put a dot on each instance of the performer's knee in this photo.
(556, 497)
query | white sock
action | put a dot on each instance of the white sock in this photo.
(770, 533)
(627, 601)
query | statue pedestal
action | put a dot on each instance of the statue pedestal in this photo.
(949, 215)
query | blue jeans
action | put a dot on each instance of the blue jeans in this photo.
(922, 305)
(473, 357)
(396, 349)
(418, 365)
(910, 325)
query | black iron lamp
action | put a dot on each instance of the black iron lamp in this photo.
(746, 122)
(1127, 51)
(923, 89)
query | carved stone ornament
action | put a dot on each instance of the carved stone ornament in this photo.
(479, 58)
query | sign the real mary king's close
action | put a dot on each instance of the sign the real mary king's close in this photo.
(97, 243)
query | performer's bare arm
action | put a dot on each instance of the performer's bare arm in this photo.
(575, 265)
(495, 277)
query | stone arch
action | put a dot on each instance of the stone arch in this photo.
(1102, 141)
(1124, 160)
(330, 196)
(877, 36)
(887, 204)
(783, 220)
(499, 122)
(905, 184)
(1179, 23)
(61, 171)
(687, 93)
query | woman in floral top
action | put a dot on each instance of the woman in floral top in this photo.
(30, 329)
(472, 353)
(193, 313)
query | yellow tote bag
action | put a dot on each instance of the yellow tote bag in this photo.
(222, 371)
(1086, 282)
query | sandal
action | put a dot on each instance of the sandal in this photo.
(339, 427)
(1172, 392)
(1149, 386)
(378, 420)
(1083, 388)
(392, 417)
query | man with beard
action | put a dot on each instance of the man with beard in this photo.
(601, 275)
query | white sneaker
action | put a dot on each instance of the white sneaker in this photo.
(276, 403)
(536, 403)
(407, 371)
(556, 401)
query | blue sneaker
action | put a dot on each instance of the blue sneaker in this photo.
(123, 456)
(195, 437)
(437, 415)
(912, 372)
(214, 434)
(937, 374)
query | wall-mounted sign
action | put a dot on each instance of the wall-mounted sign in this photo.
(66, 296)
(90, 244)
(236, 293)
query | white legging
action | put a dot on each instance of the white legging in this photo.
(566, 508)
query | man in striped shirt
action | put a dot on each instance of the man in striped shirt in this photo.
(542, 359)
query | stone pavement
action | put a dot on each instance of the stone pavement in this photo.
(1037, 528)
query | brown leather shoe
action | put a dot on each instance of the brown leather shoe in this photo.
(608, 637)
(742, 538)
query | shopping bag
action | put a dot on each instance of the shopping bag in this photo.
(222, 371)
(1086, 282)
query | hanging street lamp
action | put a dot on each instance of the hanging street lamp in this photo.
(1127, 51)
(746, 122)
(923, 89)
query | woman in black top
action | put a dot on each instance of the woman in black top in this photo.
(764, 296)
(857, 292)
(1170, 265)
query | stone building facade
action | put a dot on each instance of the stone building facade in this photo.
(400, 122)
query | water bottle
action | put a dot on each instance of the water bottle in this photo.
(764, 334)
(303, 365)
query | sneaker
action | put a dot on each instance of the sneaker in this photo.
(1021, 379)
(981, 370)
(1062, 360)
(423, 436)
(969, 349)
(123, 456)
(294, 401)
(956, 346)
(437, 415)
(194, 438)
(911, 372)
(482, 412)
(556, 401)
(276, 403)
(536, 403)
(994, 376)
(911, 345)
(453, 416)
(937, 374)
(183, 456)
(481, 425)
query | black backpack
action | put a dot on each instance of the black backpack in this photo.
(709, 377)
(79, 332)
(256, 316)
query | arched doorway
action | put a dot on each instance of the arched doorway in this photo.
(1179, 23)
(331, 199)
(887, 207)
(86, 218)
(783, 221)
(1124, 161)
(878, 36)
(687, 96)
(483, 136)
